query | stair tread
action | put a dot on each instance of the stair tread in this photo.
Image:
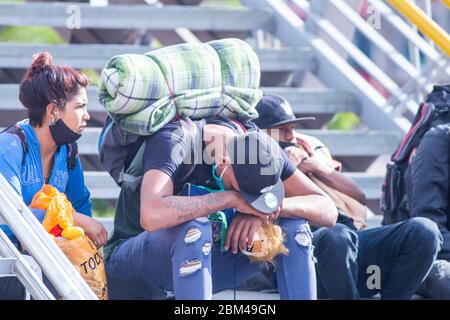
(124, 16)
(18, 55)
(303, 101)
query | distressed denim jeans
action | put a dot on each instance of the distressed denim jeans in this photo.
(183, 263)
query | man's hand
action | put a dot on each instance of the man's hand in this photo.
(296, 155)
(305, 163)
(243, 207)
(312, 166)
(241, 232)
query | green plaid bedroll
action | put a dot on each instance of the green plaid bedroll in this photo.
(144, 92)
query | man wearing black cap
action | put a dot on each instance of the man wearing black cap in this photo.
(347, 257)
(307, 153)
(164, 240)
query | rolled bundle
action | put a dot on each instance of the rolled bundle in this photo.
(144, 92)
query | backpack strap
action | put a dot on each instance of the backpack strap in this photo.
(72, 153)
(20, 133)
(194, 129)
(72, 148)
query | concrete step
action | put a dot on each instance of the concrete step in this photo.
(102, 186)
(369, 183)
(317, 101)
(341, 144)
(16, 55)
(133, 17)
(357, 143)
(268, 295)
(246, 295)
(303, 101)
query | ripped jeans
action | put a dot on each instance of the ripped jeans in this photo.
(183, 262)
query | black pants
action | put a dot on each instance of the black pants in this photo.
(11, 289)
(403, 253)
(437, 283)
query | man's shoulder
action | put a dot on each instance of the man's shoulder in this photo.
(173, 131)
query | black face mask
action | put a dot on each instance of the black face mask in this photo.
(284, 145)
(62, 133)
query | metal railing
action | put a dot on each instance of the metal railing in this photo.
(54, 264)
(401, 97)
(12, 263)
(424, 23)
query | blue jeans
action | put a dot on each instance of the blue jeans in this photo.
(184, 263)
(347, 260)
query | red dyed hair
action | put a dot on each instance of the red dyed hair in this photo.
(46, 83)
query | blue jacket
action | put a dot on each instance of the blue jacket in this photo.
(24, 173)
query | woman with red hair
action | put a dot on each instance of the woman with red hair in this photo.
(42, 149)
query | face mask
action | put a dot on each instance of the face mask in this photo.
(219, 181)
(62, 133)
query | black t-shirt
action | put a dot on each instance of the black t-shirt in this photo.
(167, 149)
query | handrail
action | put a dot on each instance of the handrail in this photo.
(378, 40)
(355, 53)
(403, 97)
(58, 269)
(407, 31)
(446, 2)
(333, 68)
(426, 25)
(23, 270)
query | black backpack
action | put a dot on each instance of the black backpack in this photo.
(72, 148)
(118, 149)
(430, 112)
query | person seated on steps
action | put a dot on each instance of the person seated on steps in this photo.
(347, 254)
(162, 245)
(41, 149)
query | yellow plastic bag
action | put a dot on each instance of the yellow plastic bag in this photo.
(79, 249)
(85, 257)
(59, 214)
(41, 200)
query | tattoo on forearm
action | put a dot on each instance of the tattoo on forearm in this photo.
(188, 209)
(184, 208)
(213, 201)
(186, 217)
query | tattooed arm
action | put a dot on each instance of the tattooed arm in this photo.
(161, 209)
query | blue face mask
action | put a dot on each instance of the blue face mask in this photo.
(219, 181)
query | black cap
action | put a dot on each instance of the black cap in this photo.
(275, 111)
(257, 165)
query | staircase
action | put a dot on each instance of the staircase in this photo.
(297, 44)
